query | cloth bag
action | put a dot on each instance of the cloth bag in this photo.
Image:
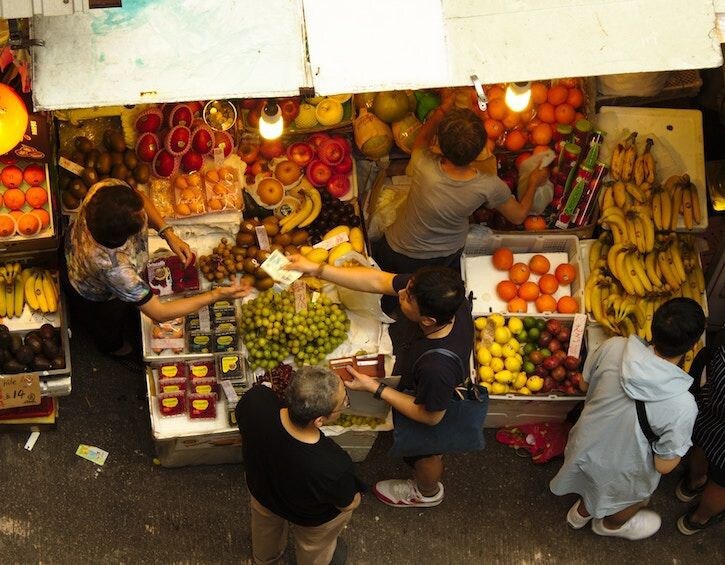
(461, 428)
(543, 441)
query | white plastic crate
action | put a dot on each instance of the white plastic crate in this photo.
(481, 278)
(511, 410)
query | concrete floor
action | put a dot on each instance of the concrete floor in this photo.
(58, 508)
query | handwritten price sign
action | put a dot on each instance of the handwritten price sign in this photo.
(19, 390)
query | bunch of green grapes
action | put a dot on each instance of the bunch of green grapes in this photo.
(346, 421)
(273, 330)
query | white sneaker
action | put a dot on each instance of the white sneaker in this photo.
(643, 524)
(405, 494)
(576, 520)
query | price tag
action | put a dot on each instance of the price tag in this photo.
(204, 320)
(229, 391)
(262, 238)
(577, 335)
(332, 241)
(299, 291)
(218, 157)
(69, 165)
(19, 390)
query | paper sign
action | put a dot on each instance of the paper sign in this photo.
(19, 390)
(332, 241)
(69, 165)
(94, 454)
(299, 290)
(218, 155)
(262, 238)
(577, 335)
(229, 392)
(273, 266)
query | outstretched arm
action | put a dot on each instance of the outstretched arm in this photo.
(428, 130)
(365, 279)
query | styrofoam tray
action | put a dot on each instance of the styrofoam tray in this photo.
(678, 148)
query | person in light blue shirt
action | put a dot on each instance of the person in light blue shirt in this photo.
(609, 461)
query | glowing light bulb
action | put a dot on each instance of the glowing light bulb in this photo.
(518, 95)
(271, 124)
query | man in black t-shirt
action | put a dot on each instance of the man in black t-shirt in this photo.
(433, 298)
(295, 474)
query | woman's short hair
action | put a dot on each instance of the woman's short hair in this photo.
(114, 214)
(312, 393)
(676, 326)
(461, 136)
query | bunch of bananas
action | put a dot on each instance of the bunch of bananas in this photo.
(307, 212)
(41, 292)
(676, 196)
(624, 158)
(633, 226)
(690, 356)
(12, 300)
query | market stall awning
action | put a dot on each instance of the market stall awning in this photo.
(169, 51)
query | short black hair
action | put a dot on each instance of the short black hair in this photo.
(312, 393)
(676, 326)
(461, 136)
(438, 292)
(114, 214)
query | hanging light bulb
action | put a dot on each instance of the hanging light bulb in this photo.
(13, 119)
(270, 122)
(518, 95)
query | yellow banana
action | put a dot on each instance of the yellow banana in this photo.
(619, 194)
(649, 161)
(657, 210)
(630, 154)
(679, 267)
(700, 276)
(634, 231)
(648, 314)
(635, 192)
(639, 170)
(696, 212)
(9, 297)
(50, 291)
(612, 256)
(650, 266)
(594, 253)
(294, 220)
(639, 289)
(623, 273)
(30, 296)
(627, 327)
(676, 202)
(607, 199)
(314, 195)
(3, 302)
(638, 266)
(648, 229)
(672, 280)
(687, 208)
(615, 168)
(40, 293)
(666, 210)
(671, 182)
(19, 294)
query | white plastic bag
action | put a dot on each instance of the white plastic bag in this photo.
(633, 84)
(391, 198)
(366, 304)
(545, 193)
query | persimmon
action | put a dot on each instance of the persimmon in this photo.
(529, 291)
(495, 92)
(545, 303)
(497, 109)
(28, 224)
(538, 92)
(534, 223)
(545, 112)
(567, 305)
(565, 273)
(521, 158)
(539, 264)
(541, 134)
(42, 215)
(503, 259)
(511, 120)
(7, 225)
(564, 114)
(548, 284)
(557, 95)
(14, 198)
(519, 273)
(36, 196)
(575, 98)
(506, 290)
(515, 140)
(517, 305)
(541, 149)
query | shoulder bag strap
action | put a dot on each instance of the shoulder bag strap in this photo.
(644, 422)
(446, 352)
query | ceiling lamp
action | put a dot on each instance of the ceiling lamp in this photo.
(13, 119)
(270, 122)
(518, 95)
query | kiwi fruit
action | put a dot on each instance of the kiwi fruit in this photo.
(249, 279)
(142, 172)
(103, 165)
(78, 158)
(35, 342)
(262, 255)
(89, 176)
(64, 181)
(260, 273)
(130, 159)
(83, 144)
(107, 139)
(252, 251)
(250, 265)
(57, 362)
(299, 237)
(275, 247)
(248, 226)
(291, 250)
(77, 188)
(119, 172)
(131, 182)
(5, 355)
(70, 201)
(282, 239)
(116, 158)
(50, 349)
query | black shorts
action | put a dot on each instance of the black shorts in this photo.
(716, 475)
(412, 460)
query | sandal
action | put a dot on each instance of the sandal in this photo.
(686, 526)
(685, 493)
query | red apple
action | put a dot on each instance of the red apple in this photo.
(164, 164)
(290, 108)
(338, 185)
(345, 142)
(258, 166)
(569, 389)
(317, 138)
(248, 103)
(271, 148)
(577, 379)
(331, 152)
(301, 153)
(571, 363)
(560, 354)
(255, 113)
(551, 363)
(225, 141)
(564, 334)
(344, 167)
(318, 173)
(181, 115)
(544, 339)
(34, 174)
(542, 371)
(192, 161)
(248, 151)
(149, 122)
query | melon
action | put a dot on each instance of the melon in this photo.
(405, 131)
(391, 106)
(372, 136)
(364, 99)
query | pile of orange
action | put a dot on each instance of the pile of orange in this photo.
(517, 290)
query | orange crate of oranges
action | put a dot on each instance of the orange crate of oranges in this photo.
(521, 275)
(25, 209)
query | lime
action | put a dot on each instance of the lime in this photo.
(522, 336)
(529, 368)
(534, 334)
(528, 348)
(545, 353)
(541, 324)
(529, 322)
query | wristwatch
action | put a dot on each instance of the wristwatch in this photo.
(163, 230)
(381, 387)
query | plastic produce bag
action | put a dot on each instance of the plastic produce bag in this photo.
(365, 304)
(391, 198)
(633, 84)
(545, 193)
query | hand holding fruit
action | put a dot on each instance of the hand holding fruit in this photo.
(300, 263)
(180, 247)
(538, 177)
(238, 288)
(361, 381)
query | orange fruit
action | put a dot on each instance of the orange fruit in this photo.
(534, 223)
(575, 98)
(567, 305)
(215, 204)
(494, 128)
(517, 305)
(564, 113)
(519, 273)
(36, 196)
(579, 116)
(521, 158)
(511, 120)
(183, 209)
(7, 225)
(529, 291)
(545, 113)
(28, 224)
(541, 149)
(565, 273)
(539, 264)
(515, 140)
(506, 290)
(538, 92)
(548, 284)
(14, 198)
(545, 303)
(503, 258)
(495, 92)
(557, 95)
(541, 134)
(42, 215)
(16, 214)
(497, 109)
